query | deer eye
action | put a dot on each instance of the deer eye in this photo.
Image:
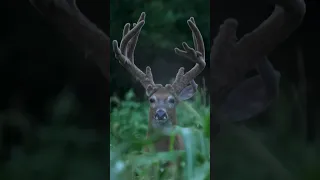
(152, 100)
(171, 101)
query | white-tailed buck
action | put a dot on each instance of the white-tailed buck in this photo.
(163, 99)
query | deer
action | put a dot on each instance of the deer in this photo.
(163, 100)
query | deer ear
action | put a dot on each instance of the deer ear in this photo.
(253, 96)
(187, 93)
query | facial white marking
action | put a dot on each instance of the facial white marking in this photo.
(154, 97)
(153, 100)
(171, 104)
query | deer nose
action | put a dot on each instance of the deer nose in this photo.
(161, 114)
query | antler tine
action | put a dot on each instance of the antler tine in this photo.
(130, 45)
(195, 43)
(128, 34)
(126, 52)
(134, 40)
(198, 41)
(196, 55)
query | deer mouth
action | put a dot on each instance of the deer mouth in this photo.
(161, 124)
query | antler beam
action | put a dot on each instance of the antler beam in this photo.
(196, 55)
(125, 55)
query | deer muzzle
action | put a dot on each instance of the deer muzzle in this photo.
(161, 115)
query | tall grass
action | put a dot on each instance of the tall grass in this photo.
(62, 149)
(128, 127)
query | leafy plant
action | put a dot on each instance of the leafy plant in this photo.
(128, 129)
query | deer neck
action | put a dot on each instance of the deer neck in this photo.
(163, 128)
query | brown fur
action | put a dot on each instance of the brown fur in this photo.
(163, 94)
(164, 144)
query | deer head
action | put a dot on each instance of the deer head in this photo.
(163, 99)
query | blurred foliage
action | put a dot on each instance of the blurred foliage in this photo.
(128, 129)
(267, 147)
(165, 21)
(58, 149)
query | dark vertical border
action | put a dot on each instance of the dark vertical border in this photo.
(99, 14)
(87, 29)
(250, 14)
(215, 127)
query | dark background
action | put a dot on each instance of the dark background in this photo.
(283, 140)
(37, 64)
(285, 57)
(38, 61)
(53, 101)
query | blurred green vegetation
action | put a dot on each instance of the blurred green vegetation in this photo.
(271, 146)
(166, 20)
(165, 29)
(58, 149)
(247, 150)
(128, 129)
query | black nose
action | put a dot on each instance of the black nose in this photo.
(161, 114)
